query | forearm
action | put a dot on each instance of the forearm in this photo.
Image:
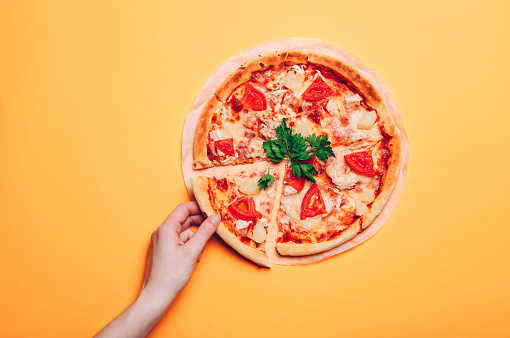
(139, 318)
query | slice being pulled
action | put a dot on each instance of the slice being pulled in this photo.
(245, 209)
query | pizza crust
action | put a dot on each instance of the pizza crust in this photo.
(304, 249)
(389, 180)
(201, 191)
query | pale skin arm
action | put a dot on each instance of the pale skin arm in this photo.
(174, 252)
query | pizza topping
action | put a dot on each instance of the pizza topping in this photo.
(364, 191)
(315, 163)
(329, 204)
(361, 208)
(211, 152)
(297, 183)
(302, 128)
(215, 134)
(240, 224)
(237, 105)
(341, 181)
(332, 107)
(222, 184)
(225, 147)
(312, 204)
(294, 80)
(277, 82)
(247, 185)
(255, 149)
(266, 181)
(244, 209)
(318, 90)
(288, 190)
(254, 98)
(259, 234)
(351, 101)
(298, 149)
(367, 120)
(361, 163)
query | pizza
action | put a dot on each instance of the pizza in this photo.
(337, 147)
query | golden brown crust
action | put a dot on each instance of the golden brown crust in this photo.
(389, 180)
(201, 191)
(303, 249)
(200, 158)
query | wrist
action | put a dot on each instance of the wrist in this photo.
(154, 301)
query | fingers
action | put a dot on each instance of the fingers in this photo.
(186, 235)
(204, 232)
(193, 220)
(182, 212)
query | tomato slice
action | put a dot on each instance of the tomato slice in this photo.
(317, 90)
(211, 154)
(226, 146)
(361, 162)
(244, 208)
(297, 183)
(254, 98)
(312, 204)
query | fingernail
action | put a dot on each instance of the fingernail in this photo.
(215, 219)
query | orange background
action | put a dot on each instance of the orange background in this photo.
(93, 97)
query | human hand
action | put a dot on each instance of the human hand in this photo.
(175, 250)
(173, 255)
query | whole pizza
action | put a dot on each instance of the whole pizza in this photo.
(330, 149)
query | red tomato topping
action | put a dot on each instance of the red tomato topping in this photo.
(317, 90)
(244, 208)
(297, 183)
(312, 204)
(254, 98)
(226, 146)
(361, 162)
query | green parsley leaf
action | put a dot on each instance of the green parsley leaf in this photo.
(266, 181)
(320, 146)
(297, 149)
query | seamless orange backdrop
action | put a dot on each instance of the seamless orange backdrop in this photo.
(93, 97)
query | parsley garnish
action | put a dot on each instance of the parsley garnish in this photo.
(298, 149)
(266, 181)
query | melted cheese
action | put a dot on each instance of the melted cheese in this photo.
(255, 149)
(277, 82)
(363, 192)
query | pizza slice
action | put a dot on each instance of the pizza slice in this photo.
(245, 209)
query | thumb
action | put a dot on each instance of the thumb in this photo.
(204, 232)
